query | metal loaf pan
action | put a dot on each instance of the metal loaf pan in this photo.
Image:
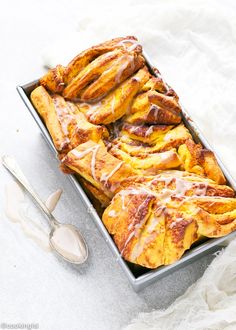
(139, 277)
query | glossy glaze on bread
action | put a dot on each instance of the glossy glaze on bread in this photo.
(120, 128)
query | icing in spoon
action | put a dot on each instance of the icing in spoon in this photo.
(65, 239)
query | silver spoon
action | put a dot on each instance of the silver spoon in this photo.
(76, 250)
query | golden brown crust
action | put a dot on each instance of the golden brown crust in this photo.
(145, 133)
(53, 80)
(116, 104)
(119, 128)
(45, 106)
(66, 124)
(153, 107)
(126, 218)
(163, 215)
(157, 138)
(155, 83)
(149, 164)
(129, 63)
(92, 161)
(211, 168)
(96, 194)
(87, 56)
(103, 75)
(200, 161)
(181, 233)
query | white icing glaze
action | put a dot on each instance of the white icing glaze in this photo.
(112, 214)
(153, 224)
(174, 223)
(139, 247)
(16, 210)
(131, 235)
(64, 238)
(133, 191)
(67, 243)
(168, 136)
(133, 129)
(136, 79)
(166, 156)
(81, 154)
(201, 189)
(135, 228)
(64, 117)
(131, 47)
(166, 180)
(156, 111)
(113, 105)
(53, 199)
(93, 109)
(106, 177)
(151, 229)
(149, 131)
(182, 187)
(128, 60)
(93, 161)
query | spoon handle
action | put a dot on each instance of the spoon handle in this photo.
(12, 166)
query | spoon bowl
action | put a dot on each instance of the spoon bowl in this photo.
(65, 239)
(68, 243)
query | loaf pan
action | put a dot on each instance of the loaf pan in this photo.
(139, 277)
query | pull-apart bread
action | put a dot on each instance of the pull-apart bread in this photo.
(118, 125)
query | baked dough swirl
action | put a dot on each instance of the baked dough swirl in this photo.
(118, 125)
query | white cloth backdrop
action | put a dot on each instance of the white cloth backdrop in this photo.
(208, 304)
(193, 44)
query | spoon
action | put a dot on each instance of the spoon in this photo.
(65, 239)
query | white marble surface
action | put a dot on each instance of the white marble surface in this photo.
(35, 285)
